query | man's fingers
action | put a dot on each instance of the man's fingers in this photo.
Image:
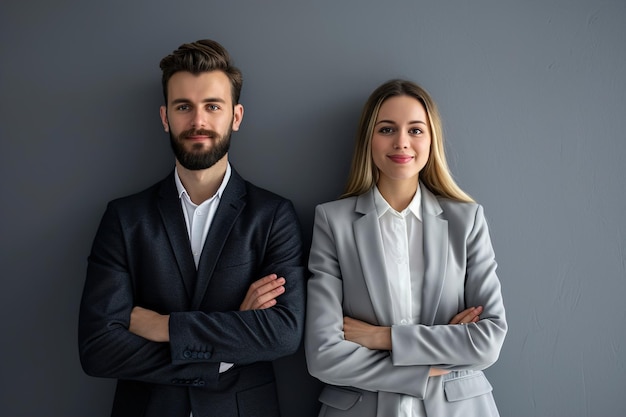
(267, 298)
(263, 292)
(263, 281)
(268, 287)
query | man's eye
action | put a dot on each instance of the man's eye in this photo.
(183, 107)
(213, 107)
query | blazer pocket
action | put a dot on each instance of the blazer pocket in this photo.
(339, 398)
(465, 387)
(258, 401)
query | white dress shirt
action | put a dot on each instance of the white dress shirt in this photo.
(402, 238)
(198, 219)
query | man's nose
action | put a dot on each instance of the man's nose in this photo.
(199, 119)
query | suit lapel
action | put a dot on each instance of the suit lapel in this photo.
(369, 246)
(435, 255)
(174, 221)
(231, 204)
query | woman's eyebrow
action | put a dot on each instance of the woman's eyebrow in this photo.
(392, 122)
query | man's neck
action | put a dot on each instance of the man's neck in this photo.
(202, 184)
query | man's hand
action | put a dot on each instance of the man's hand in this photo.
(150, 324)
(262, 294)
(155, 327)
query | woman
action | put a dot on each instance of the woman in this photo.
(404, 306)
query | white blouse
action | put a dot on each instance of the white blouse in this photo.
(402, 238)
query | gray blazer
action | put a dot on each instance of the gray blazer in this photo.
(348, 278)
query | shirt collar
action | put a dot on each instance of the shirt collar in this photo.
(181, 188)
(415, 206)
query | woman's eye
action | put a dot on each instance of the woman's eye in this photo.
(415, 131)
(385, 130)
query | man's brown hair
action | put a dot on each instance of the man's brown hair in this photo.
(201, 56)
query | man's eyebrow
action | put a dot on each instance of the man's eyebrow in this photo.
(206, 100)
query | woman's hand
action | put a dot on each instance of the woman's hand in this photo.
(367, 335)
(469, 315)
(437, 372)
(379, 337)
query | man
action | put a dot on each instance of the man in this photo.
(196, 284)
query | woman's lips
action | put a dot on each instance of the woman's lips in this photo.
(400, 159)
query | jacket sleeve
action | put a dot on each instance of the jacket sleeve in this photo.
(330, 357)
(473, 346)
(107, 348)
(244, 337)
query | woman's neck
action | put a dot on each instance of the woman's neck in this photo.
(398, 193)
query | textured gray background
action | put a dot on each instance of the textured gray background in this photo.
(533, 99)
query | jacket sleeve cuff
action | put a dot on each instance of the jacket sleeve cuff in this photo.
(184, 349)
(401, 351)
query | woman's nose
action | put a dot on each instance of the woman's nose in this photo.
(401, 141)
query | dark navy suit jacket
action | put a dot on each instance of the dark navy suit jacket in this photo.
(141, 256)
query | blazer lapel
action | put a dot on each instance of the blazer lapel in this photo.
(435, 254)
(369, 246)
(231, 204)
(174, 221)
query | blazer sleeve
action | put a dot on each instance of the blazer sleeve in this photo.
(330, 357)
(472, 346)
(244, 337)
(107, 348)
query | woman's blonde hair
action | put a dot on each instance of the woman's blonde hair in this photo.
(435, 175)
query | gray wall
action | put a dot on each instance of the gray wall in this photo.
(532, 94)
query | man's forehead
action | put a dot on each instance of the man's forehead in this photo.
(200, 86)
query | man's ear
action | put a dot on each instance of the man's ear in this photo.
(237, 117)
(163, 113)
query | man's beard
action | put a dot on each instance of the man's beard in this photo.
(197, 159)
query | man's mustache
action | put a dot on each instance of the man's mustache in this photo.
(199, 132)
